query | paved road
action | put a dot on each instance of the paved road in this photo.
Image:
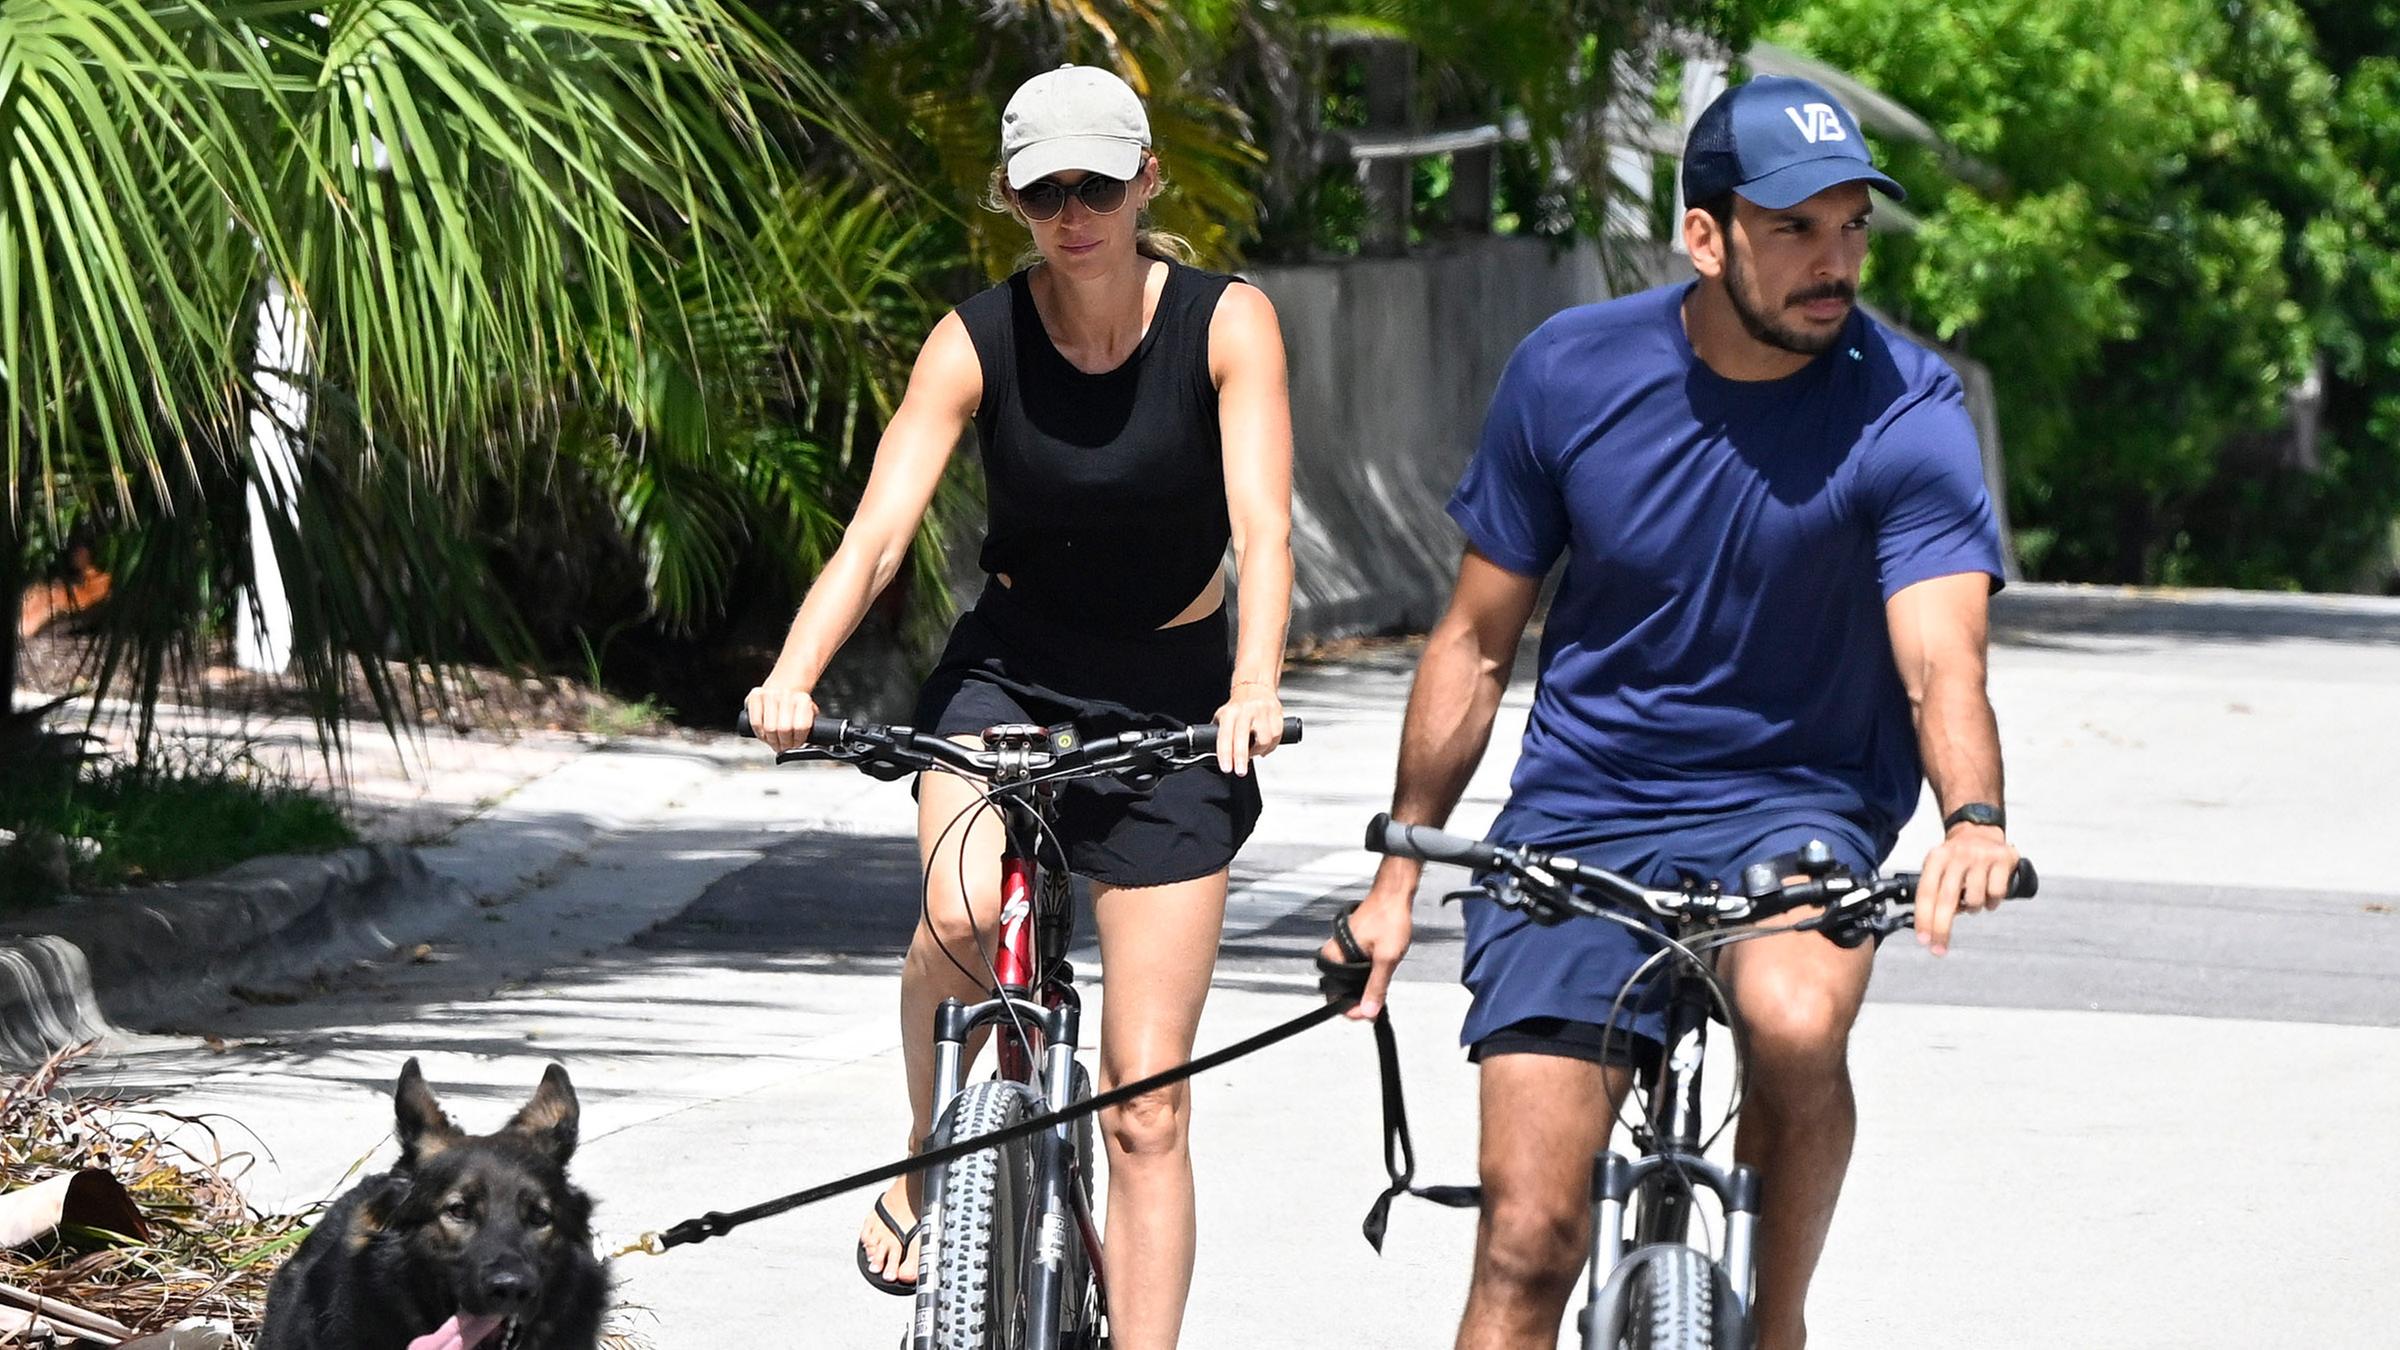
(2138, 1112)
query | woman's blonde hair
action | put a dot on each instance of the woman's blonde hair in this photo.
(1164, 245)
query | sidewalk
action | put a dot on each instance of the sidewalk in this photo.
(459, 833)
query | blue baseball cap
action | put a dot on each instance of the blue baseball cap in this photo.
(1777, 141)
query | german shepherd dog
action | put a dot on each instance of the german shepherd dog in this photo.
(478, 1238)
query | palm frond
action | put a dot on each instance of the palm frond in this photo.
(489, 212)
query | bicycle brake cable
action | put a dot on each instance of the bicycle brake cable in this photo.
(988, 801)
(966, 815)
(1670, 950)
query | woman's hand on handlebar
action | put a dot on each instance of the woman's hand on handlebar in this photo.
(780, 714)
(1249, 725)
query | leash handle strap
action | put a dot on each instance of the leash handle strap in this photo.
(717, 1224)
(1399, 1150)
(1399, 1147)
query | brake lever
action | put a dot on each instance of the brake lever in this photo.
(868, 762)
(1888, 921)
(1851, 932)
(1858, 914)
(1145, 768)
(885, 770)
(1507, 890)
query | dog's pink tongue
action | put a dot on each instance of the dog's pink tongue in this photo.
(463, 1332)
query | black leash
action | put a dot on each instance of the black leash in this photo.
(1342, 983)
(1399, 1149)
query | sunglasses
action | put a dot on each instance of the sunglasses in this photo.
(1044, 198)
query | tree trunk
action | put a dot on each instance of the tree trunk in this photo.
(15, 750)
(12, 593)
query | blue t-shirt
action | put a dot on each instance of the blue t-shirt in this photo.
(1717, 645)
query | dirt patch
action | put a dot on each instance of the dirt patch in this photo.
(463, 698)
(1334, 651)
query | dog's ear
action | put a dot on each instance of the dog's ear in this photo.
(374, 1212)
(423, 1126)
(551, 1118)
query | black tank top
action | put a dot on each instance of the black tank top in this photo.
(1107, 491)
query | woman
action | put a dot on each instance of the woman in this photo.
(1134, 422)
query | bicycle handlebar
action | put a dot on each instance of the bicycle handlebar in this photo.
(1552, 885)
(1063, 753)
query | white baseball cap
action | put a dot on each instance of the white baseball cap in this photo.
(1074, 117)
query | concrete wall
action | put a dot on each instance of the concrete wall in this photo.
(1392, 364)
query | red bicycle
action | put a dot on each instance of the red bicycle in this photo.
(1011, 1257)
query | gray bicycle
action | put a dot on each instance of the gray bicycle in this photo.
(1655, 1287)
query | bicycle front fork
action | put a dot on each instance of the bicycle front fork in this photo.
(1063, 1228)
(1615, 1181)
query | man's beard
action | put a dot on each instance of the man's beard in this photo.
(1764, 328)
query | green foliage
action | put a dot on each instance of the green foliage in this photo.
(535, 242)
(1559, 67)
(608, 300)
(937, 75)
(2198, 205)
(185, 814)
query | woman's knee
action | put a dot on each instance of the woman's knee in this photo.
(1152, 1125)
(960, 921)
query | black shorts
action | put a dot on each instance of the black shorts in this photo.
(1006, 664)
(1570, 1039)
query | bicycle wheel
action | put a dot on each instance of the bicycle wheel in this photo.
(975, 1242)
(1671, 1303)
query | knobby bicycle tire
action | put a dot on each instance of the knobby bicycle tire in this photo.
(975, 1239)
(1672, 1302)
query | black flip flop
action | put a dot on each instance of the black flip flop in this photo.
(907, 1236)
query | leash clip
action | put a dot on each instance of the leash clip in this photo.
(649, 1244)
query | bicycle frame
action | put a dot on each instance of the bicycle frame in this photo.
(1661, 1185)
(1035, 992)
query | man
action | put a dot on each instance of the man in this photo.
(1771, 628)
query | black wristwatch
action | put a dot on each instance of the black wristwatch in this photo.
(1976, 813)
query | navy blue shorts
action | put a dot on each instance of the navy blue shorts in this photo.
(1521, 972)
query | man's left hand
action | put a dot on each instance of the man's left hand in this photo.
(1969, 870)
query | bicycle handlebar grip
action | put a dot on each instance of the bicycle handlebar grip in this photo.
(1386, 835)
(2024, 883)
(1203, 738)
(823, 731)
